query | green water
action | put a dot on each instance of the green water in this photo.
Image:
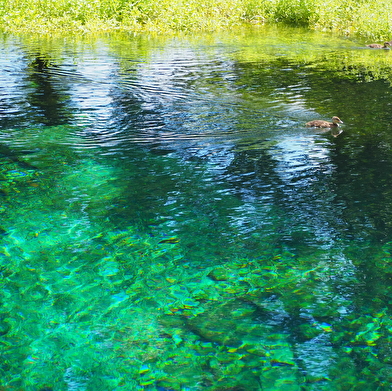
(169, 223)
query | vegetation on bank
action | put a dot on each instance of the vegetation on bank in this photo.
(369, 18)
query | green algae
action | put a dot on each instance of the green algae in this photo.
(134, 323)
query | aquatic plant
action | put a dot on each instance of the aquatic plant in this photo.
(74, 16)
(368, 18)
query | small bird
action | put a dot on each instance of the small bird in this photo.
(318, 123)
(379, 46)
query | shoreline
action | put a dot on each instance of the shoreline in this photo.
(74, 17)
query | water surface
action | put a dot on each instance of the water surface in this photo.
(169, 223)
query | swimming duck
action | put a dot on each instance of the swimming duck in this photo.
(379, 46)
(318, 123)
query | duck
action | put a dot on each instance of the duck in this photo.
(379, 45)
(319, 123)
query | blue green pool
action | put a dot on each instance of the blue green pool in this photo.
(168, 222)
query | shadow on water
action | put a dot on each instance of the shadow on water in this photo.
(176, 225)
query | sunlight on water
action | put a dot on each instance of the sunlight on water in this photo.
(169, 223)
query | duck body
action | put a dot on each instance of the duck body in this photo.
(379, 45)
(318, 123)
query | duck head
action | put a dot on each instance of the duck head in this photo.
(336, 120)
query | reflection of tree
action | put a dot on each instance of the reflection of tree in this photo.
(48, 98)
(363, 184)
(353, 181)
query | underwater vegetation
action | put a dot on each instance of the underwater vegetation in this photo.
(123, 310)
(108, 308)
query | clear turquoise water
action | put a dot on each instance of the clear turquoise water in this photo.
(169, 223)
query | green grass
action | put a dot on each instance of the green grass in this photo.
(369, 18)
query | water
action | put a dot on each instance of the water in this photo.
(169, 223)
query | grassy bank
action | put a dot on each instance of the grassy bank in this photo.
(369, 18)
